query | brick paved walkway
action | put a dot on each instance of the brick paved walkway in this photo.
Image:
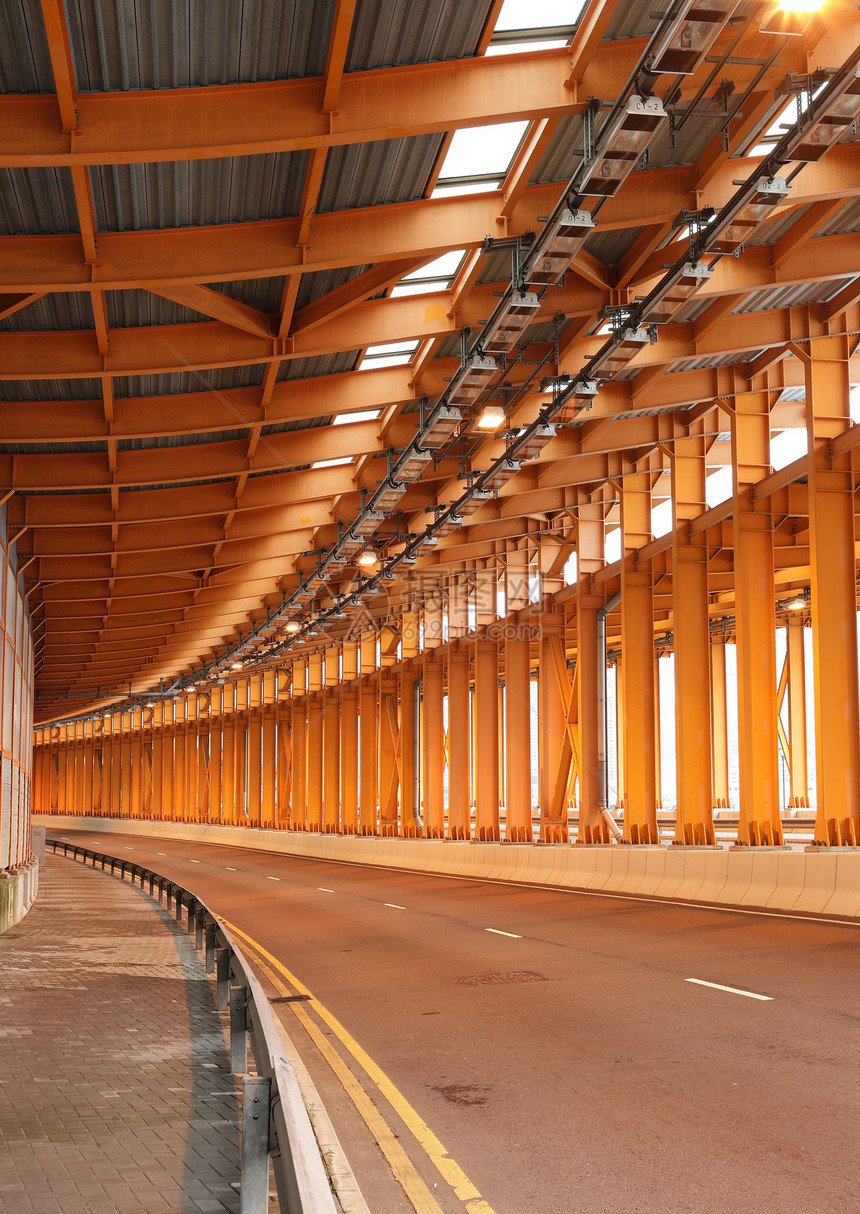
(115, 1086)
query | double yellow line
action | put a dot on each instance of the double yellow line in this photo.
(401, 1165)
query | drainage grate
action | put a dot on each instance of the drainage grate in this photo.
(502, 979)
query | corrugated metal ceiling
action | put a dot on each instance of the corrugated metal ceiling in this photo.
(130, 309)
(179, 194)
(192, 43)
(386, 33)
(25, 64)
(308, 368)
(36, 201)
(50, 389)
(370, 174)
(52, 313)
(211, 380)
(314, 286)
(790, 297)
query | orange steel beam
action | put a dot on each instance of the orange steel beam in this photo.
(178, 533)
(220, 307)
(337, 48)
(156, 505)
(90, 470)
(356, 291)
(300, 400)
(286, 115)
(175, 348)
(426, 227)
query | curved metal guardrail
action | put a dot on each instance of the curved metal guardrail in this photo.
(275, 1124)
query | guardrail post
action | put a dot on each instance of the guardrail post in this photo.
(239, 1030)
(151, 882)
(222, 967)
(198, 928)
(112, 865)
(210, 947)
(192, 914)
(168, 889)
(256, 1103)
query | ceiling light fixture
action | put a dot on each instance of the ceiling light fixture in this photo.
(490, 418)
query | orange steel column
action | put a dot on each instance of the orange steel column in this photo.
(389, 739)
(157, 809)
(637, 665)
(349, 739)
(167, 759)
(285, 771)
(833, 583)
(330, 701)
(255, 751)
(719, 719)
(116, 773)
(593, 827)
(179, 732)
(485, 752)
(619, 739)
(228, 755)
(368, 727)
(553, 742)
(331, 761)
(518, 783)
(127, 796)
(216, 738)
(459, 730)
(759, 822)
(191, 760)
(267, 774)
(88, 757)
(433, 748)
(694, 819)
(410, 801)
(299, 807)
(410, 815)
(796, 658)
(459, 712)
(315, 742)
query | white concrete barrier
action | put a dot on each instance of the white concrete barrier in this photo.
(821, 882)
(18, 890)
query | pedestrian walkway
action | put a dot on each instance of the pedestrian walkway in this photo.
(115, 1086)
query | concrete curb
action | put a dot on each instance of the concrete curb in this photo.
(823, 882)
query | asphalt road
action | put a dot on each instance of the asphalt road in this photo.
(608, 1082)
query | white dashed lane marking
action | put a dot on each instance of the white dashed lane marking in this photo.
(732, 990)
(498, 932)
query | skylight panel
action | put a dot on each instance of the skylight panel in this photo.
(376, 362)
(391, 347)
(332, 463)
(466, 187)
(420, 288)
(481, 151)
(445, 266)
(522, 48)
(538, 14)
(366, 415)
